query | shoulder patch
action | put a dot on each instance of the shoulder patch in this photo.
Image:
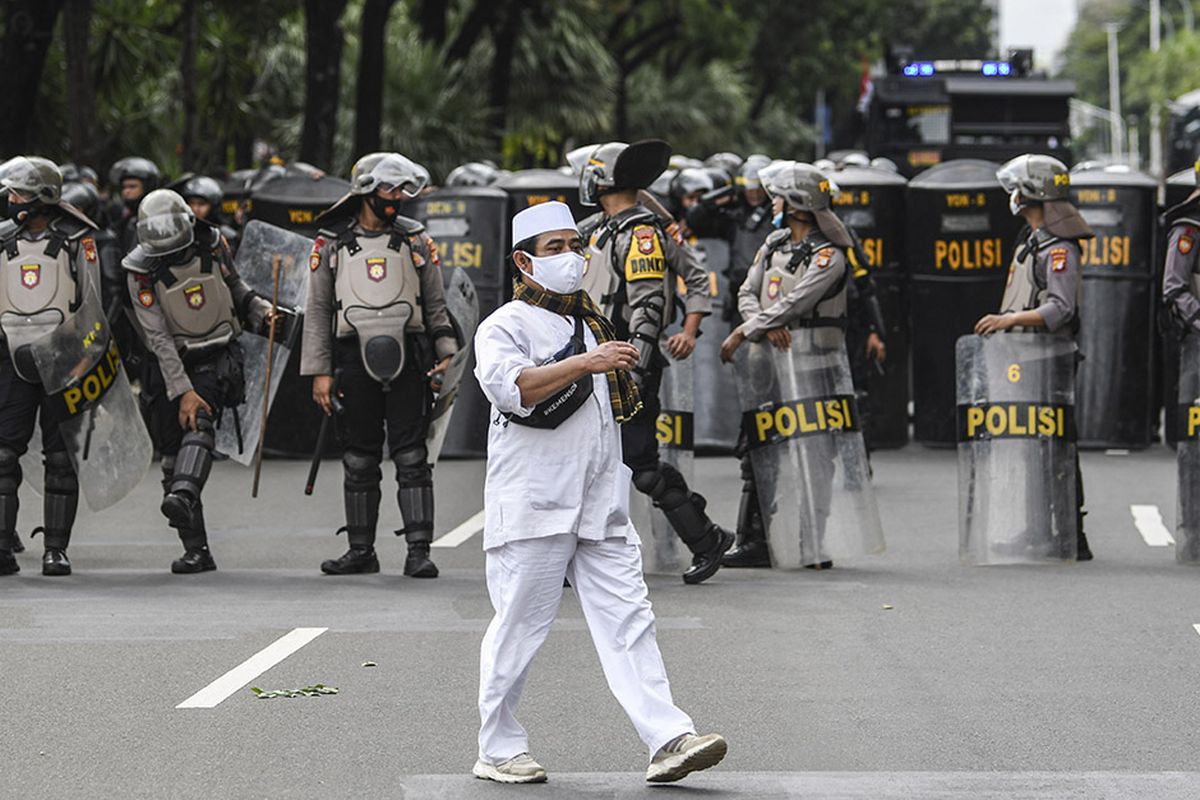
(824, 257)
(433, 251)
(645, 260)
(89, 249)
(1187, 241)
(145, 296)
(1058, 259)
(314, 260)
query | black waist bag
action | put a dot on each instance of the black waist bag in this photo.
(554, 410)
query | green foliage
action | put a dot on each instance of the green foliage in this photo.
(707, 75)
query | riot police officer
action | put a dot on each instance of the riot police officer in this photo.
(204, 195)
(1181, 273)
(190, 306)
(798, 279)
(685, 191)
(85, 197)
(1042, 295)
(133, 178)
(47, 254)
(377, 315)
(745, 223)
(633, 265)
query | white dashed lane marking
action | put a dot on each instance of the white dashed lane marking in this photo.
(462, 533)
(240, 676)
(1150, 525)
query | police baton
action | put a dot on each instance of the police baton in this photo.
(323, 434)
(266, 400)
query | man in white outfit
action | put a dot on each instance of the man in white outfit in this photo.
(557, 498)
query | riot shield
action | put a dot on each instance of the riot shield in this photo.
(716, 395)
(1016, 448)
(463, 306)
(80, 369)
(807, 450)
(674, 431)
(1187, 520)
(263, 244)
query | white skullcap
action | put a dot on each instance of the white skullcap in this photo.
(541, 218)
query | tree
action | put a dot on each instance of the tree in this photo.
(322, 79)
(76, 24)
(187, 82)
(28, 30)
(371, 68)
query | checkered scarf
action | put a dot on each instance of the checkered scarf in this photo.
(622, 392)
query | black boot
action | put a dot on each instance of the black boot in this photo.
(418, 564)
(60, 501)
(751, 550)
(706, 564)
(54, 560)
(355, 561)
(360, 559)
(196, 559)
(1082, 551)
(8, 562)
(10, 481)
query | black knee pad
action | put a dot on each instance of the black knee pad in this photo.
(10, 471)
(10, 481)
(194, 460)
(168, 472)
(361, 470)
(412, 467)
(60, 500)
(60, 474)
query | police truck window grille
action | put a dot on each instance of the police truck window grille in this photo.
(965, 223)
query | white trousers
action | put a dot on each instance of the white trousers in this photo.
(525, 582)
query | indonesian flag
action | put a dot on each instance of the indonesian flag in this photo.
(866, 89)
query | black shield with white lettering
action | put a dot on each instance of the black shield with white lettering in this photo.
(1187, 521)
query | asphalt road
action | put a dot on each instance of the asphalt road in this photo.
(1013, 682)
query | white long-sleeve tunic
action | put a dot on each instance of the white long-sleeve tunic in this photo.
(543, 482)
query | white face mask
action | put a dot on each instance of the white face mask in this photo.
(561, 274)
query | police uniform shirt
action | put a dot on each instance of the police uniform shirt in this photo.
(643, 260)
(316, 357)
(29, 276)
(818, 282)
(156, 331)
(547, 481)
(1052, 285)
(1180, 272)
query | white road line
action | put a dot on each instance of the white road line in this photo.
(1116, 452)
(460, 534)
(241, 675)
(1150, 525)
(1197, 627)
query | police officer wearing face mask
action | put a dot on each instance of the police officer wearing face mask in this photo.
(633, 267)
(798, 279)
(1043, 289)
(190, 306)
(377, 312)
(47, 254)
(204, 195)
(133, 178)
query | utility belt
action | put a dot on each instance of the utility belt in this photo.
(554, 410)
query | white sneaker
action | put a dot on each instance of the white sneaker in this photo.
(686, 754)
(519, 769)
